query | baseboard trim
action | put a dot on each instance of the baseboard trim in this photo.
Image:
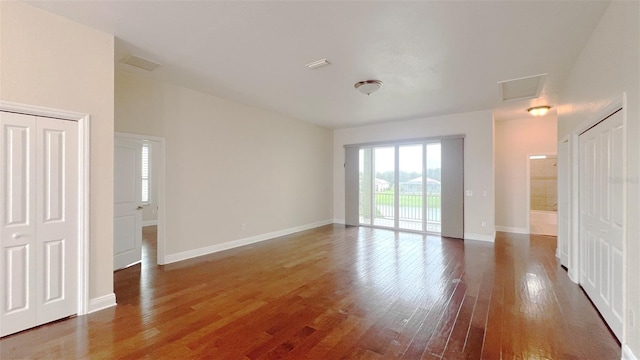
(102, 302)
(339, 221)
(627, 354)
(480, 237)
(150, 223)
(190, 254)
(511, 229)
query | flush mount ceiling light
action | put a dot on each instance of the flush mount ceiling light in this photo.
(368, 87)
(539, 110)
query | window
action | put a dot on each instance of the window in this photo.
(146, 171)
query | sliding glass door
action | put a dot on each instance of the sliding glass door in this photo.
(400, 186)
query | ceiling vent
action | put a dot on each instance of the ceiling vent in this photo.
(318, 63)
(523, 88)
(139, 62)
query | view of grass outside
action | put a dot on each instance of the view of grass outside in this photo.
(407, 200)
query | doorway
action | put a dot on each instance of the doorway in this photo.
(543, 194)
(150, 199)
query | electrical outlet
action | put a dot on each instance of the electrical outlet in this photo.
(632, 319)
(243, 226)
(484, 224)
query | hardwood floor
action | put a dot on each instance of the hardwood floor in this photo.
(335, 293)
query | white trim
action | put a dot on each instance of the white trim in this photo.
(84, 188)
(102, 302)
(480, 237)
(149, 223)
(627, 354)
(565, 186)
(160, 179)
(339, 221)
(189, 254)
(84, 211)
(138, 136)
(511, 229)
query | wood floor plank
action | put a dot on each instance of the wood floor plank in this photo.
(339, 292)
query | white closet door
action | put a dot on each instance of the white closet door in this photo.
(38, 188)
(56, 218)
(601, 217)
(18, 188)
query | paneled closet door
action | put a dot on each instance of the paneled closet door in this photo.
(602, 219)
(38, 215)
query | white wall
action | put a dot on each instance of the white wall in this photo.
(49, 61)
(515, 140)
(228, 164)
(608, 66)
(478, 163)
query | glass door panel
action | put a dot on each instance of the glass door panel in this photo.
(384, 199)
(366, 186)
(411, 184)
(400, 186)
(432, 208)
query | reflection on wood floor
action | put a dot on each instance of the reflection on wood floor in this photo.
(336, 292)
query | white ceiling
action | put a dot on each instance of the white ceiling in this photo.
(434, 58)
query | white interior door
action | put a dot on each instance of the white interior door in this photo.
(563, 202)
(38, 235)
(127, 222)
(601, 217)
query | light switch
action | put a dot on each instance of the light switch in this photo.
(469, 193)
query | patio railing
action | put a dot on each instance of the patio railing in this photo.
(410, 206)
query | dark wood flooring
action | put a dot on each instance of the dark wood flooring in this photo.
(339, 293)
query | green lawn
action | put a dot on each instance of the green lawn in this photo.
(386, 198)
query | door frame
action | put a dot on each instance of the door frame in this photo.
(159, 174)
(84, 185)
(564, 185)
(575, 247)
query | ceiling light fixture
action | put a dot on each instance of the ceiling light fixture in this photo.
(368, 87)
(537, 157)
(539, 110)
(318, 63)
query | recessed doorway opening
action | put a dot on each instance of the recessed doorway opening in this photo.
(543, 195)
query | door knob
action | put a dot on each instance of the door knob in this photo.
(139, 207)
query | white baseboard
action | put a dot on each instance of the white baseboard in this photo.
(102, 302)
(189, 254)
(150, 223)
(480, 237)
(339, 221)
(627, 354)
(511, 229)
